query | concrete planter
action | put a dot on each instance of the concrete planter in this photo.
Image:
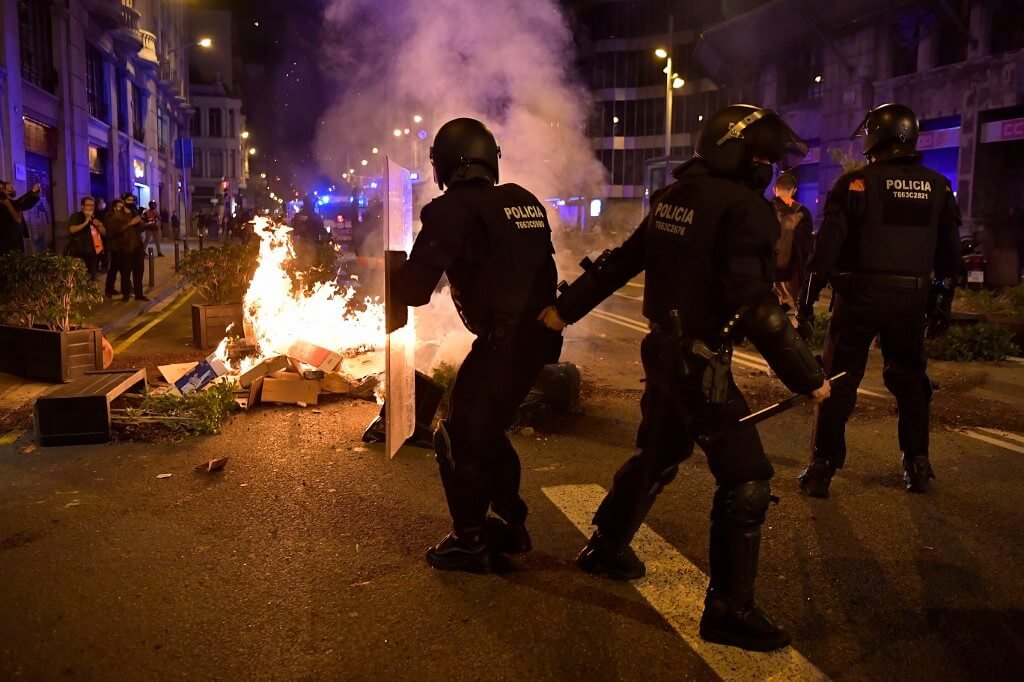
(210, 323)
(49, 355)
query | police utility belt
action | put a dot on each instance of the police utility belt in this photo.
(845, 282)
(695, 355)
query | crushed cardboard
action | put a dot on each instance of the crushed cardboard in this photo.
(267, 366)
(200, 375)
(312, 354)
(289, 388)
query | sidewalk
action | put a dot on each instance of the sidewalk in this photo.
(112, 316)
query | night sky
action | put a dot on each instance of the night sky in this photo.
(284, 91)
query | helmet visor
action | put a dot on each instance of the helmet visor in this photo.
(766, 134)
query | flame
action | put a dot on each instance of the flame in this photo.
(278, 313)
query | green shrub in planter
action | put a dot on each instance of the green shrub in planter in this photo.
(221, 274)
(44, 290)
(969, 343)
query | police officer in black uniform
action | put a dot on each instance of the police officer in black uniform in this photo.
(494, 244)
(888, 227)
(708, 249)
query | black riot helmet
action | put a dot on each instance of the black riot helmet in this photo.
(887, 131)
(733, 136)
(464, 148)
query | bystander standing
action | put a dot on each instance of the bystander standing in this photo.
(86, 233)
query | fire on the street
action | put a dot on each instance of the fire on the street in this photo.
(280, 313)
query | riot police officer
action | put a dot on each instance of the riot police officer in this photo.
(708, 249)
(887, 228)
(494, 244)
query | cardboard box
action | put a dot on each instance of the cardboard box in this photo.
(267, 366)
(311, 354)
(202, 374)
(290, 389)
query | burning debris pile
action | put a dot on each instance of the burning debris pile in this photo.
(298, 342)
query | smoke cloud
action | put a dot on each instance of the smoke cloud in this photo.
(506, 62)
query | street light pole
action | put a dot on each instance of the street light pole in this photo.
(669, 81)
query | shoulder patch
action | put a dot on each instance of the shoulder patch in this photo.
(857, 185)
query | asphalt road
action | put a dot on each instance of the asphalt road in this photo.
(303, 559)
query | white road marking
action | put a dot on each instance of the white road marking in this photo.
(634, 326)
(675, 588)
(993, 441)
(1003, 434)
(631, 298)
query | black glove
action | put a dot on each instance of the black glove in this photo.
(805, 318)
(940, 308)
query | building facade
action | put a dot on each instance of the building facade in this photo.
(617, 40)
(221, 151)
(958, 63)
(93, 95)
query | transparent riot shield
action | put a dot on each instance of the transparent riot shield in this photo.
(400, 347)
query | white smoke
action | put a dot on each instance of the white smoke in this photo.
(506, 62)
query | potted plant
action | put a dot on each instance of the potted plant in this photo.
(41, 334)
(222, 276)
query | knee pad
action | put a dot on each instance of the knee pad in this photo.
(443, 446)
(743, 504)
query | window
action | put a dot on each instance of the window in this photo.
(95, 84)
(1008, 27)
(233, 164)
(122, 101)
(797, 74)
(198, 165)
(906, 36)
(216, 163)
(953, 33)
(163, 125)
(231, 122)
(216, 123)
(196, 124)
(138, 113)
(36, 35)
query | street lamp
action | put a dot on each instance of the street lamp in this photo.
(245, 134)
(206, 43)
(252, 151)
(417, 119)
(397, 132)
(662, 53)
(375, 150)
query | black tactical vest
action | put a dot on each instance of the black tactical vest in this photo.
(506, 273)
(898, 229)
(686, 249)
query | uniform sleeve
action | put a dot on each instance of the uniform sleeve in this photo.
(947, 248)
(608, 274)
(747, 253)
(831, 238)
(440, 241)
(26, 201)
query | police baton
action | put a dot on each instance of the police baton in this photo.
(763, 415)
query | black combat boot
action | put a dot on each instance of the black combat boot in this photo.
(917, 472)
(741, 625)
(617, 561)
(816, 478)
(730, 615)
(508, 538)
(461, 553)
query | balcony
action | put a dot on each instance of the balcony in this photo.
(106, 13)
(148, 53)
(127, 35)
